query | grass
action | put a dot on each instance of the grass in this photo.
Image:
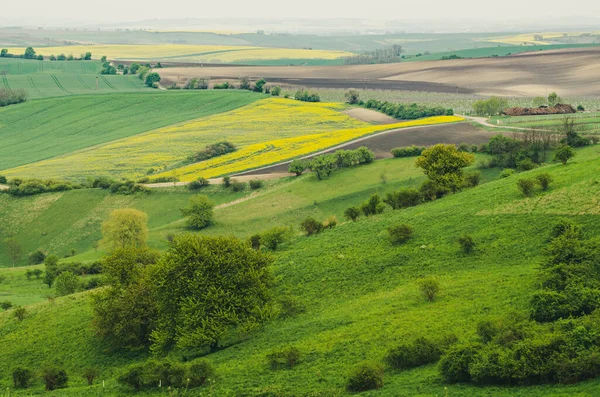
(259, 130)
(360, 293)
(589, 121)
(42, 129)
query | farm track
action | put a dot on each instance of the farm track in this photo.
(30, 79)
(108, 83)
(83, 82)
(5, 82)
(58, 84)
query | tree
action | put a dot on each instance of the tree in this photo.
(311, 226)
(443, 164)
(259, 85)
(564, 153)
(152, 79)
(352, 213)
(14, 249)
(55, 378)
(66, 283)
(133, 68)
(22, 378)
(90, 374)
(87, 56)
(207, 286)
(29, 53)
(323, 165)
(199, 212)
(526, 186)
(352, 97)
(103, 58)
(490, 107)
(554, 99)
(3, 53)
(276, 91)
(51, 266)
(297, 167)
(244, 83)
(125, 228)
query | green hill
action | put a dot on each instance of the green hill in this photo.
(359, 292)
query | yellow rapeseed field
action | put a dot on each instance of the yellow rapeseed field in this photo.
(265, 132)
(199, 53)
(530, 38)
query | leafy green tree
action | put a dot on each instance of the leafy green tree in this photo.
(55, 378)
(554, 99)
(22, 378)
(443, 164)
(244, 83)
(564, 153)
(526, 186)
(61, 57)
(352, 97)
(276, 91)
(14, 249)
(259, 85)
(152, 79)
(373, 206)
(66, 283)
(3, 53)
(352, 213)
(297, 167)
(323, 165)
(311, 226)
(133, 68)
(87, 56)
(90, 374)
(124, 228)
(51, 265)
(29, 53)
(467, 244)
(490, 107)
(230, 284)
(103, 58)
(200, 212)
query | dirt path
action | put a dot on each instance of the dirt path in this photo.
(219, 181)
(370, 116)
(483, 121)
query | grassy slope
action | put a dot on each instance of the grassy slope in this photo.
(360, 292)
(41, 129)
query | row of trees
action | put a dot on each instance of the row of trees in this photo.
(381, 55)
(324, 165)
(405, 112)
(30, 53)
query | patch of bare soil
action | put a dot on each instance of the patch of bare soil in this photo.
(370, 116)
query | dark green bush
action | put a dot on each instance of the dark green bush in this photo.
(128, 187)
(213, 150)
(408, 151)
(256, 184)
(400, 234)
(366, 376)
(55, 378)
(487, 330)
(37, 257)
(403, 198)
(306, 96)
(165, 179)
(275, 236)
(90, 374)
(431, 191)
(467, 244)
(429, 287)
(198, 184)
(200, 373)
(298, 167)
(373, 206)
(22, 378)
(226, 181)
(6, 305)
(454, 365)
(406, 112)
(237, 186)
(132, 377)
(420, 352)
(544, 180)
(526, 186)
(526, 165)
(472, 179)
(566, 226)
(255, 241)
(352, 213)
(311, 226)
(286, 358)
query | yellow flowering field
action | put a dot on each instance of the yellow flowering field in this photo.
(200, 53)
(265, 132)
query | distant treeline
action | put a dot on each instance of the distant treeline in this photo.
(31, 54)
(11, 97)
(406, 112)
(382, 55)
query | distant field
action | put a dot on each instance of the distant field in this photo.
(541, 38)
(41, 129)
(190, 53)
(589, 121)
(265, 133)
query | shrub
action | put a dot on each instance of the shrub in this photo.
(165, 373)
(366, 376)
(3, 179)
(311, 226)
(273, 237)
(580, 108)
(132, 377)
(55, 378)
(564, 153)
(463, 147)
(352, 213)
(21, 378)
(198, 184)
(199, 373)
(352, 97)
(286, 358)
(403, 198)
(565, 226)
(255, 241)
(525, 165)
(213, 150)
(256, 184)
(90, 374)
(130, 187)
(526, 186)
(226, 181)
(409, 151)
(306, 96)
(505, 173)
(199, 213)
(429, 287)
(454, 365)
(19, 313)
(298, 167)
(330, 222)
(66, 283)
(373, 206)
(37, 257)
(400, 234)
(420, 352)
(431, 191)
(290, 306)
(237, 186)
(544, 180)
(487, 330)
(467, 244)
(472, 179)
(5, 305)
(276, 91)
(11, 97)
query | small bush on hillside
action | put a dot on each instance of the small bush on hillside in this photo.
(132, 377)
(290, 306)
(505, 173)
(306, 96)
(526, 165)
(429, 287)
(352, 213)
(298, 167)
(286, 358)
(273, 237)
(373, 206)
(90, 374)
(408, 151)
(366, 376)
(6, 305)
(128, 187)
(487, 330)
(213, 150)
(464, 147)
(3, 179)
(311, 226)
(526, 186)
(330, 222)
(66, 283)
(564, 153)
(255, 241)
(400, 234)
(454, 365)
(580, 108)
(200, 212)
(420, 352)
(165, 373)
(37, 257)
(198, 184)
(256, 184)
(566, 226)
(467, 244)
(55, 378)
(22, 378)
(200, 373)
(472, 179)
(238, 186)
(276, 91)
(474, 148)
(352, 97)
(403, 198)
(431, 191)
(226, 181)
(11, 97)
(544, 180)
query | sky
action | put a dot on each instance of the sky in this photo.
(108, 11)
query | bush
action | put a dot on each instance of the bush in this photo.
(165, 373)
(366, 376)
(152, 79)
(238, 186)
(37, 257)
(564, 153)
(464, 147)
(311, 226)
(199, 213)
(409, 151)
(200, 373)
(525, 165)
(256, 184)
(472, 179)
(505, 173)
(22, 378)
(406, 112)
(420, 352)
(580, 108)
(487, 330)
(467, 244)
(373, 206)
(226, 181)
(255, 241)
(403, 198)
(352, 213)
(198, 184)
(19, 313)
(454, 365)
(565, 226)
(431, 191)
(132, 377)
(55, 378)
(544, 180)
(400, 234)
(276, 91)
(3, 179)
(130, 187)
(352, 97)
(286, 358)
(12, 97)
(429, 288)
(330, 222)
(526, 186)
(90, 374)
(213, 150)
(298, 167)
(66, 283)
(273, 237)
(6, 305)
(306, 96)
